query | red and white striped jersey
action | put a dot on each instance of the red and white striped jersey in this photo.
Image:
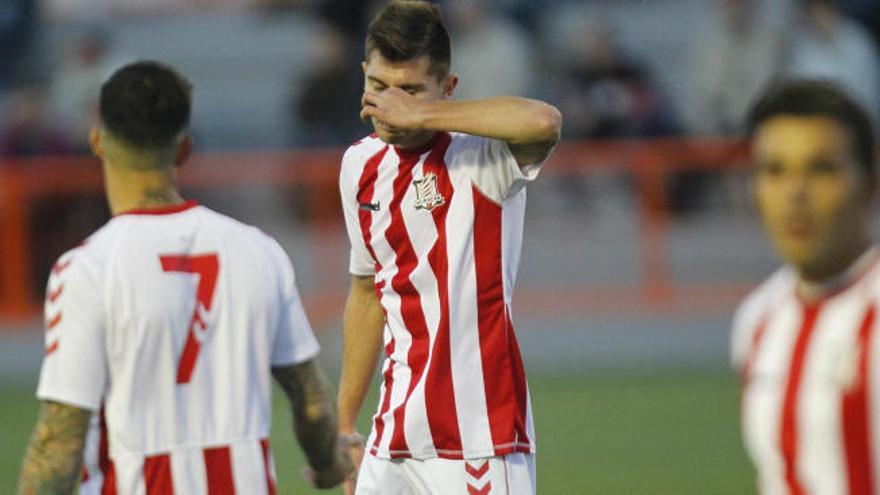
(440, 228)
(168, 322)
(811, 383)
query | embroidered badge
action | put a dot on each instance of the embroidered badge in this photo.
(428, 195)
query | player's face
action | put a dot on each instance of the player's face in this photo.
(413, 76)
(812, 195)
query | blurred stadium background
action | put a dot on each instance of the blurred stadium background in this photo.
(640, 237)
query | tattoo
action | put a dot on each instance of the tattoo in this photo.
(314, 411)
(54, 457)
(155, 196)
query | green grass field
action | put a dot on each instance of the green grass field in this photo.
(661, 433)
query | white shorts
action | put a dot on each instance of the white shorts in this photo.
(513, 474)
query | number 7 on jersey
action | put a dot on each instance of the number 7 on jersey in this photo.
(205, 267)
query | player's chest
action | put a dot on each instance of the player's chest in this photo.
(810, 358)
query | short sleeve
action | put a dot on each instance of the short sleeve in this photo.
(74, 369)
(294, 340)
(360, 260)
(491, 166)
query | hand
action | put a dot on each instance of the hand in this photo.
(342, 469)
(356, 453)
(394, 108)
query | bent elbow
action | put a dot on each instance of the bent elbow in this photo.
(550, 122)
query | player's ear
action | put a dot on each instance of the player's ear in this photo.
(450, 82)
(184, 150)
(95, 142)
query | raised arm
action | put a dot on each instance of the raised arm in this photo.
(314, 421)
(54, 456)
(361, 344)
(530, 127)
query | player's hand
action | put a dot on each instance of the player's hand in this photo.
(394, 108)
(356, 454)
(343, 468)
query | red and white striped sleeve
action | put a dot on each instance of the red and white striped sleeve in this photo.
(491, 165)
(74, 369)
(360, 261)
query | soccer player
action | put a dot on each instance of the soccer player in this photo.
(434, 204)
(806, 341)
(166, 322)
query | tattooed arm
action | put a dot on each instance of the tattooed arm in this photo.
(314, 421)
(53, 460)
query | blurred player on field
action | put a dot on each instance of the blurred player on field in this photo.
(806, 340)
(434, 204)
(167, 322)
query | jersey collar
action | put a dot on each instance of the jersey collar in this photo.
(163, 210)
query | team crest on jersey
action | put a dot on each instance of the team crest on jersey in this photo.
(428, 194)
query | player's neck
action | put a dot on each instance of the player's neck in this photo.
(129, 189)
(417, 141)
(818, 281)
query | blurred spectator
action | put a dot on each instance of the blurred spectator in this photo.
(828, 45)
(29, 130)
(18, 19)
(865, 11)
(75, 89)
(604, 93)
(735, 61)
(491, 53)
(327, 104)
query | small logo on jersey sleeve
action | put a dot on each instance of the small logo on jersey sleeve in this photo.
(428, 194)
(370, 206)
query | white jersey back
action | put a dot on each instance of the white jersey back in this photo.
(811, 384)
(168, 322)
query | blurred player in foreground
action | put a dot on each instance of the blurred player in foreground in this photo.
(434, 204)
(806, 341)
(166, 322)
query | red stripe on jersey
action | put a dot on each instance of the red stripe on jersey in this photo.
(85, 475)
(53, 296)
(60, 266)
(495, 347)
(855, 415)
(52, 348)
(157, 475)
(54, 321)
(439, 390)
(366, 190)
(267, 464)
(105, 464)
(788, 432)
(388, 383)
(218, 470)
(521, 387)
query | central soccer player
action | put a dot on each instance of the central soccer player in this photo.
(806, 340)
(434, 204)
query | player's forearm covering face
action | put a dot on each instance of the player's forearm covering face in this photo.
(54, 456)
(314, 419)
(361, 343)
(530, 127)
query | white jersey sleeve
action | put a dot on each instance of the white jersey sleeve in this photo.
(490, 165)
(294, 341)
(360, 261)
(74, 367)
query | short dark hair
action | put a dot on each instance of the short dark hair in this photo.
(815, 98)
(146, 105)
(408, 29)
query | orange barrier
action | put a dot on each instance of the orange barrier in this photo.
(649, 162)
